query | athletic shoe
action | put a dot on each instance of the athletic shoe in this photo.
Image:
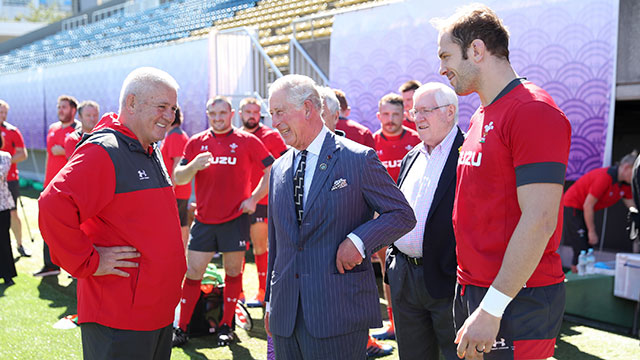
(377, 349)
(225, 335)
(258, 301)
(48, 271)
(23, 251)
(179, 337)
(388, 333)
(241, 298)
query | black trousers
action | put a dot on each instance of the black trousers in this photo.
(7, 265)
(101, 342)
(574, 232)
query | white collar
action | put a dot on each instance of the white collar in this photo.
(316, 144)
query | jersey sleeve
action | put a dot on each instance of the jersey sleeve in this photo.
(17, 139)
(626, 190)
(70, 199)
(368, 139)
(70, 143)
(539, 138)
(176, 145)
(189, 152)
(275, 144)
(259, 153)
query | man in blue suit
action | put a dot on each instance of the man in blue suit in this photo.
(421, 266)
(321, 288)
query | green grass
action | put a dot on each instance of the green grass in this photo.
(29, 309)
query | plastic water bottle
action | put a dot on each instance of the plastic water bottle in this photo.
(591, 261)
(582, 263)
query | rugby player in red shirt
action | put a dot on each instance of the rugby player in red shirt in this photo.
(172, 149)
(14, 145)
(392, 142)
(353, 130)
(56, 159)
(250, 116)
(407, 89)
(221, 159)
(506, 216)
(596, 190)
(89, 114)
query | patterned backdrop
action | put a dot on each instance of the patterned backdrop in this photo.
(566, 46)
(33, 94)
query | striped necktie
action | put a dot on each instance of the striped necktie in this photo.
(298, 185)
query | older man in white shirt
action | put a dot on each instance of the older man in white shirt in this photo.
(421, 265)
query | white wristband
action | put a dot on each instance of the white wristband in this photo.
(494, 302)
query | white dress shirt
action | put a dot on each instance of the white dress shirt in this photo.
(419, 187)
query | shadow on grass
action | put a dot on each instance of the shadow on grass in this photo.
(566, 350)
(59, 295)
(209, 342)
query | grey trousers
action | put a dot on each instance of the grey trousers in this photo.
(101, 342)
(424, 325)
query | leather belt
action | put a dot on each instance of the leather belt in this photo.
(412, 260)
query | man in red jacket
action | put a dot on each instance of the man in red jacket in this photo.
(129, 259)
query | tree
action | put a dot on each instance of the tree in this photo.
(43, 13)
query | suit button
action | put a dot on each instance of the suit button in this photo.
(297, 276)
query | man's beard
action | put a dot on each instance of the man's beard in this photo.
(250, 124)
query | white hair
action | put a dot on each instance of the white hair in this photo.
(299, 88)
(444, 95)
(141, 80)
(329, 98)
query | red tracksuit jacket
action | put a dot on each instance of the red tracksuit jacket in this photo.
(112, 192)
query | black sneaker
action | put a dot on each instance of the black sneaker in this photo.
(225, 335)
(47, 271)
(179, 337)
(24, 252)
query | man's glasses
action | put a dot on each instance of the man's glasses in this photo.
(424, 112)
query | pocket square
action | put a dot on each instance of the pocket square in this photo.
(339, 184)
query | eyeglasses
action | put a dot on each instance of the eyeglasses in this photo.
(424, 112)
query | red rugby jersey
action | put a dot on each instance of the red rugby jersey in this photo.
(392, 149)
(173, 147)
(276, 146)
(520, 138)
(601, 183)
(356, 132)
(223, 186)
(409, 124)
(56, 136)
(12, 140)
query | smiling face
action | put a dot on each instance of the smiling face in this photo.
(435, 126)
(291, 122)
(462, 73)
(250, 115)
(89, 118)
(152, 113)
(391, 116)
(220, 115)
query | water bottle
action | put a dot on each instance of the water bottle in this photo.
(591, 261)
(582, 263)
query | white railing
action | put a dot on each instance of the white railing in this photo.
(301, 63)
(75, 22)
(264, 70)
(119, 9)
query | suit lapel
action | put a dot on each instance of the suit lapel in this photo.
(448, 173)
(286, 179)
(411, 158)
(328, 158)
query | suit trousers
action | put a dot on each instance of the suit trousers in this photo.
(423, 325)
(101, 342)
(302, 345)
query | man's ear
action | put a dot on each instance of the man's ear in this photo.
(477, 50)
(130, 103)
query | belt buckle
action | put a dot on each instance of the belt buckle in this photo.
(414, 261)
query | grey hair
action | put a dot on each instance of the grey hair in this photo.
(444, 95)
(142, 80)
(329, 98)
(629, 158)
(299, 88)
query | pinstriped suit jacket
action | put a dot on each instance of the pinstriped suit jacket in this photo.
(302, 264)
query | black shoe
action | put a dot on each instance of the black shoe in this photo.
(179, 337)
(8, 281)
(47, 271)
(225, 335)
(24, 252)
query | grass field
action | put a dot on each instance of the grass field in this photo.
(29, 309)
